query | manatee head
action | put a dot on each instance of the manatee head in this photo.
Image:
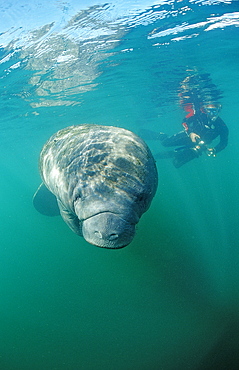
(107, 222)
(110, 203)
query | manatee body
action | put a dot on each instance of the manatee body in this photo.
(103, 178)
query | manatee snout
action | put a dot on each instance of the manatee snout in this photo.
(108, 230)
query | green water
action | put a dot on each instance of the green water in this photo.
(170, 299)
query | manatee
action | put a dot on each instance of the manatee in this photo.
(103, 178)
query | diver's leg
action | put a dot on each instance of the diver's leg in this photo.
(185, 155)
(179, 139)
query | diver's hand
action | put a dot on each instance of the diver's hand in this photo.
(211, 152)
(194, 137)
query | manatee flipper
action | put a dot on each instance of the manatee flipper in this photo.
(70, 219)
(45, 202)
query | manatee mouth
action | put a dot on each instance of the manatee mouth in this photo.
(108, 230)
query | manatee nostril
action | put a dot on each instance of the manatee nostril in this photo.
(113, 236)
(99, 235)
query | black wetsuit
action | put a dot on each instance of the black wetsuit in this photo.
(201, 125)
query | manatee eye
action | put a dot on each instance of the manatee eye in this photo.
(77, 197)
(141, 197)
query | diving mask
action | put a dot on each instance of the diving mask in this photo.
(212, 111)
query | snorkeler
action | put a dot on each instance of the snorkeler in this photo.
(200, 129)
(198, 97)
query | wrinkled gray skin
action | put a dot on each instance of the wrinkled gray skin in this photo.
(104, 179)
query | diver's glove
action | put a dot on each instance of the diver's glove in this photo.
(211, 152)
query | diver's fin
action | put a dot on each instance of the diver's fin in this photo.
(45, 202)
(184, 156)
(151, 135)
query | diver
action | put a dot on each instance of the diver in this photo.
(201, 127)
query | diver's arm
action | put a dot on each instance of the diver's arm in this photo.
(189, 129)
